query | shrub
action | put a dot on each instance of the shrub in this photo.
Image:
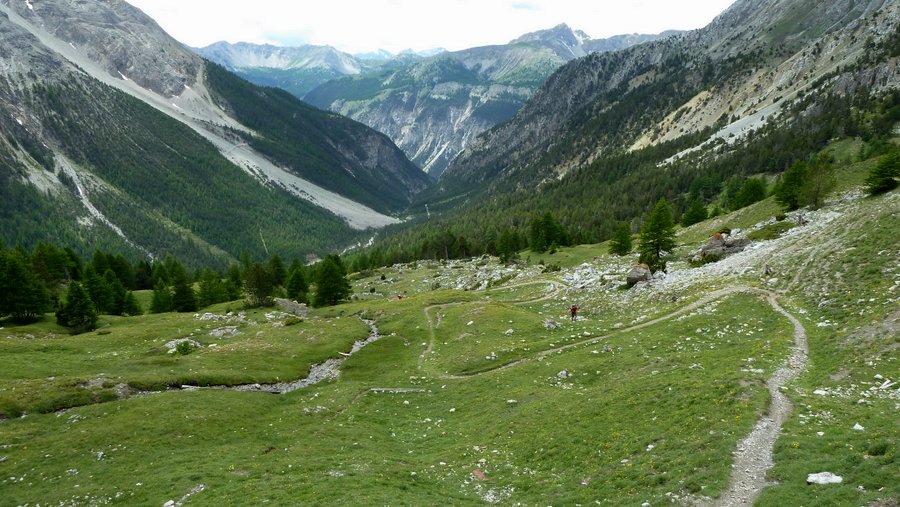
(184, 348)
(883, 177)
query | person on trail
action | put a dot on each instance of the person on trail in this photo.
(574, 311)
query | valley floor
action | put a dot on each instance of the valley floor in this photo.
(725, 384)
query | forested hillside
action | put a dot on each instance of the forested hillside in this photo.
(689, 117)
(102, 148)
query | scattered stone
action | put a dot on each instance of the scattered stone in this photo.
(564, 374)
(858, 427)
(225, 332)
(292, 307)
(824, 478)
(511, 402)
(551, 324)
(508, 332)
(639, 273)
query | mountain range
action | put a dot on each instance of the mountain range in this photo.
(433, 108)
(765, 85)
(299, 69)
(117, 136)
(430, 103)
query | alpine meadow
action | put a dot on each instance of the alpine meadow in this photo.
(643, 270)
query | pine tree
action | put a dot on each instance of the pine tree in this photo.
(131, 307)
(332, 286)
(546, 232)
(620, 244)
(234, 282)
(78, 313)
(819, 181)
(788, 190)
(212, 289)
(753, 190)
(183, 297)
(883, 177)
(657, 236)
(162, 298)
(24, 297)
(258, 285)
(277, 270)
(695, 213)
(100, 292)
(297, 288)
(117, 290)
(508, 245)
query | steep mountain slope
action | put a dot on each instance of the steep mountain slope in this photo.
(744, 67)
(434, 108)
(115, 133)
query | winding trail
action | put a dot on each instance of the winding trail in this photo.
(557, 287)
(712, 296)
(753, 456)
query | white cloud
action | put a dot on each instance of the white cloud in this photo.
(356, 26)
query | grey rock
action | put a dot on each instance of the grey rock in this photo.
(225, 332)
(639, 273)
(824, 478)
(292, 307)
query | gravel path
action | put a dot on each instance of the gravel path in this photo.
(753, 456)
(712, 296)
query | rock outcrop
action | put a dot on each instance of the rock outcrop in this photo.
(722, 244)
(292, 307)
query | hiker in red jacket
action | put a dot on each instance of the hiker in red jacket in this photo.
(574, 311)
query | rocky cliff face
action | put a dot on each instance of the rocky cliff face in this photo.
(434, 108)
(96, 30)
(733, 76)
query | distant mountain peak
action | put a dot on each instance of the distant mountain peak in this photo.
(558, 32)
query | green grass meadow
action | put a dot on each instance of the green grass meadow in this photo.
(481, 389)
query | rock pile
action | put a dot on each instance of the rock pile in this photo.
(292, 307)
(720, 245)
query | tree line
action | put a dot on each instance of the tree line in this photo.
(50, 278)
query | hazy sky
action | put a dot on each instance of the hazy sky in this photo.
(366, 25)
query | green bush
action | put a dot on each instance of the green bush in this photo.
(184, 348)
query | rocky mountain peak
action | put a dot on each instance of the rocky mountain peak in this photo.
(566, 42)
(114, 35)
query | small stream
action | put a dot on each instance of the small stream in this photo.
(327, 370)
